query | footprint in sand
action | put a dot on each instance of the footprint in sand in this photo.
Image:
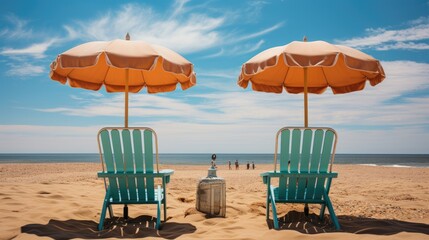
(185, 200)
(43, 192)
(56, 196)
(190, 211)
(258, 208)
(236, 210)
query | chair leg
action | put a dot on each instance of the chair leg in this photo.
(164, 191)
(306, 210)
(111, 211)
(322, 212)
(268, 206)
(332, 212)
(165, 211)
(158, 210)
(268, 198)
(273, 205)
(103, 214)
(125, 211)
(104, 208)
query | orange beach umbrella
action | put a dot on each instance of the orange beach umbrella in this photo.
(123, 66)
(310, 67)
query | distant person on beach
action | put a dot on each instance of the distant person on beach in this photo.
(229, 164)
(248, 165)
(253, 165)
(236, 165)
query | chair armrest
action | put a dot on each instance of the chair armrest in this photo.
(166, 174)
(161, 174)
(265, 177)
(271, 174)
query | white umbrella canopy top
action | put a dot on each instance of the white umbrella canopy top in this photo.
(94, 64)
(123, 66)
(341, 68)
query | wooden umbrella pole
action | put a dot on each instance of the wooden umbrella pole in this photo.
(306, 209)
(127, 37)
(126, 96)
(126, 123)
(305, 92)
(305, 98)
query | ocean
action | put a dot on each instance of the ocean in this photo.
(392, 160)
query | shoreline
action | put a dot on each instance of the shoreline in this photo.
(63, 200)
(385, 160)
(226, 165)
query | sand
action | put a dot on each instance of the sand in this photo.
(63, 201)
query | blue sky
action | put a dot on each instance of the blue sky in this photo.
(41, 115)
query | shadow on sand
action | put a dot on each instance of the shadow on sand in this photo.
(140, 227)
(297, 221)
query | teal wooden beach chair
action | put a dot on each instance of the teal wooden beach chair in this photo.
(128, 170)
(306, 159)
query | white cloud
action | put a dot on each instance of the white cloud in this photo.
(220, 73)
(237, 50)
(171, 29)
(188, 33)
(222, 80)
(385, 39)
(24, 70)
(140, 105)
(94, 94)
(18, 30)
(402, 45)
(258, 34)
(220, 53)
(179, 8)
(246, 48)
(36, 50)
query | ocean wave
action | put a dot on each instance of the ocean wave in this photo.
(391, 165)
(398, 166)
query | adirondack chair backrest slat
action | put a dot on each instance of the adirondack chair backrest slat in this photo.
(304, 150)
(327, 150)
(119, 162)
(284, 159)
(295, 151)
(128, 151)
(295, 148)
(324, 162)
(314, 162)
(317, 147)
(149, 164)
(109, 163)
(123, 152)
(284, 148)
(139, 160)
(305, 161)
(129, 164)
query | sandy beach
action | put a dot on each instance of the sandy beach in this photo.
(63, 201)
